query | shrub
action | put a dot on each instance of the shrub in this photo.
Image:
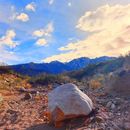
(5, 69)
(45, 79)
(95, 84)
(119, 83)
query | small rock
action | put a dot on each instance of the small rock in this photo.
(113, 106)
(109, 104)
(37, 92)
(22, 89)
(110, 114)
(118, 114)
(99, 119)
(27, 96)
(119, 108)
(126, 112)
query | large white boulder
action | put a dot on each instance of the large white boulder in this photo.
(67, 101)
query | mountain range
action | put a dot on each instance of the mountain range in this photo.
(56, 67)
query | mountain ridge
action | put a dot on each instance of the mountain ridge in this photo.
(57, 67)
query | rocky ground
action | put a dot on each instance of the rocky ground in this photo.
(22, 111)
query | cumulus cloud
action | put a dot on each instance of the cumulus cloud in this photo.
(41, 42)
(8, 39)
(43, 34)
(62, 57)
(45, 31)
(22, 17)
(110, 34)
(31, 7)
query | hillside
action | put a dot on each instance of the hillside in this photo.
(99, 68)
(24, 107)
(16, 112)
(113, 75)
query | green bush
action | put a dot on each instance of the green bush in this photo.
(45, 79)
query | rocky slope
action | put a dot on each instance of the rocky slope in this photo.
(26, 109)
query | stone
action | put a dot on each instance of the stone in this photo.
(99, 119)
(109, 104)
(22, 89)
(113, 106)
(118, 114)
(28, 96)
(67, 101)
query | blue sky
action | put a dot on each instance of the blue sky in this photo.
(47, 30)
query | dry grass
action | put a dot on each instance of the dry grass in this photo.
(95, 84)
(12, 82)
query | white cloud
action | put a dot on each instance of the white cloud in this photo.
(69, 4)
(110, 34)
(41, 42)
(22, 17)
(31, 7)
(8, 39)
(43, 34)
(51, 2)
(62, 57)
(45, 31)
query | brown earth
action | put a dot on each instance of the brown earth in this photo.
(16, 113)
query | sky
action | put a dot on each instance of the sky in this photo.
(47, 30)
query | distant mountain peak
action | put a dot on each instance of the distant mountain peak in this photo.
(56, 67)
(56, 61)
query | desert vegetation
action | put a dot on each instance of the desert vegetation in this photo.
(24, 99)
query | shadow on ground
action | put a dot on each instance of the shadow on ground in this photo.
(78, 122)
(44, 127)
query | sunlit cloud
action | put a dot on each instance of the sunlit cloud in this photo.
(43, 34)
(22, 17)
(45, 31)
(8, 39)
(110, 34)
(31, 7)
(41, 42)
